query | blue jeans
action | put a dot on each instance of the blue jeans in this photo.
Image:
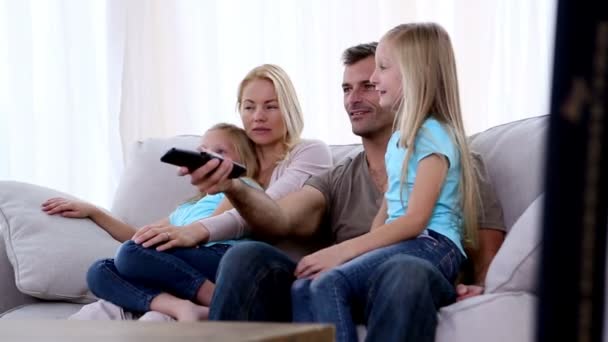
(138, 274)
(427, 265)
(254, 283)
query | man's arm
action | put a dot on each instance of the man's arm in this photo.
(299, 213)
(490, 241)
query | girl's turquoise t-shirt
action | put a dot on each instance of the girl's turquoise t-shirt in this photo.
(432, 138)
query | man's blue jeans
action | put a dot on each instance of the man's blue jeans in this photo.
(138, 274)
(254, 283)
(427, 260)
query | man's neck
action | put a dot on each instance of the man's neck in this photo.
(375, 148)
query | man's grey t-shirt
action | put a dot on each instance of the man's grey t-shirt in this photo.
(352, 199)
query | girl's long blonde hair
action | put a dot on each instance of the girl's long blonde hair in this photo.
(430, 89)
(286, 95)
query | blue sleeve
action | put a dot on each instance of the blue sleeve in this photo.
(433, 138)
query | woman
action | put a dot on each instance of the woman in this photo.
(272, 119)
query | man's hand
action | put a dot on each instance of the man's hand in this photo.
(167, 236)
(468, 291)
(312, 265)
(211, 178)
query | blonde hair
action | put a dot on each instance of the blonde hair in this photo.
(430, 89)
(286, 95)
(244, 147)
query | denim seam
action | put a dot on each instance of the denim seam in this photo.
(336, 296)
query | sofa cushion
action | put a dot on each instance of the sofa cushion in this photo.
(45, 310)
(514, 155)
(515, 266)
(150, 189)
(489, 318)
(50, 255)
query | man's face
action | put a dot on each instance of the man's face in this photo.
(361, 100)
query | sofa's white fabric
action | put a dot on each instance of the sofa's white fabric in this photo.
(49, 254)
(514, 155)
(42, 310)
(503, 317)
(515, 267)
(149, 189)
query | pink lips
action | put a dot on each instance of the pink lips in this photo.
(261, 130)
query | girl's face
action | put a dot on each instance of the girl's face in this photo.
(218, 141)
(387, 77)
(260, 112)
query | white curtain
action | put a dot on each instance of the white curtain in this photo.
(81, 80)
(57, 125)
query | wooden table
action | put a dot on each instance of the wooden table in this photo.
(107, 331)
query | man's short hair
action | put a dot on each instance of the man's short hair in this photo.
(358, 52)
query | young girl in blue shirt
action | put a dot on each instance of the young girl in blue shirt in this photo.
(429, 207)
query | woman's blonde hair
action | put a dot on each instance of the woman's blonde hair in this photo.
(286, 95)
(244, 147)
(430, 89)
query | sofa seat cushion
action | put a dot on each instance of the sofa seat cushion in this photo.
(516, 265)
(43, 310)
(489, 318)
(50, 255)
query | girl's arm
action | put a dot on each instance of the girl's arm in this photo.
(381, 216)
(115, 227)
(79, 209)
(430, 177)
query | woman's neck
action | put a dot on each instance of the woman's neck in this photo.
(268, 157)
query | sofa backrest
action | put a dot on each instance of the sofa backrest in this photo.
(513, 154)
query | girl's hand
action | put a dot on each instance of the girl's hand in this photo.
(166, 236)
(68, 208)
(312, 265)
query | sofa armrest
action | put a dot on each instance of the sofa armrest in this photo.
(10, 297)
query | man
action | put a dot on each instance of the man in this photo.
(255, 278)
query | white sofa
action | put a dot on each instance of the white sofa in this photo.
(43, 259)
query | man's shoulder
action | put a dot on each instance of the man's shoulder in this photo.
(349, 166)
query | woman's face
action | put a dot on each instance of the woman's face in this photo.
(261, 115)
(218, 141)
(387, 77)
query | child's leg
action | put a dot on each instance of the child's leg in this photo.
(300, 300)
(180, 309)
(107, 283)
(333, 293)
(180, 271)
